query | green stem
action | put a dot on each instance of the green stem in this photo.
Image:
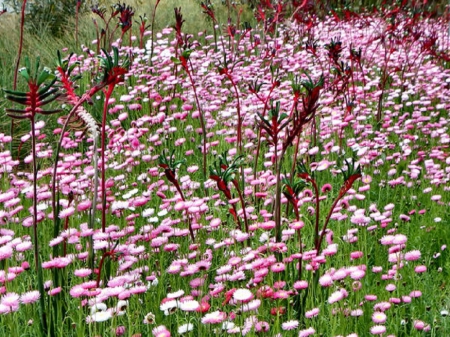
(316, 228)
(202, 122)
(278, 193)
(42, 315)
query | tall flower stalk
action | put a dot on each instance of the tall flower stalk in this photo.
(223, 173)
(282, 130)
(170, 165)
(351, 174)
(184, 61)
(41, 91)
(153, 29)
(78, 118)
(19, 55)
(113, 75)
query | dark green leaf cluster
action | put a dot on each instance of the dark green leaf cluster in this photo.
(42, 91)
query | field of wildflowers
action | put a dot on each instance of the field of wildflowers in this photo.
(287, 179)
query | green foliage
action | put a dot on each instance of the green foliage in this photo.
(52, 17)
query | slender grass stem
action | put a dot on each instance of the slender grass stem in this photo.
(42, 314)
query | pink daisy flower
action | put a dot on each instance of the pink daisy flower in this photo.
(214, 317)
(30, 297)
(312, 313)
(307, 332)
(378, 330)
(290, 325)
(379, 317)
(161, 331)
(299, 285)
(10, 300)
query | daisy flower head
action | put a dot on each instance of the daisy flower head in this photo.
(335, 297)
(299, 285)
(262, 326)
(214, 317)
(379, 317)
(98, 307)
(121, 308)
(149, 318)
(10, 300)
(30, 297)
(242, 295)
(307, 332)
(176, 294)
(161, 331)
(251, 306)
(169, 307)
(185, 328)
(312, 313)
(290, 325)
(412, 255)
(100, 316)
(189, 305)
(378, 330)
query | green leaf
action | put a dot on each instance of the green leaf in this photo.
(27, 63)
(43, 76)
(15, 93)
(47, 86)
(116, 56)
(20, 100)
(175, 60)
(48, 93)
(24, 73)
(186, 53)
(37, 64)
(50, 99)
(283, 116)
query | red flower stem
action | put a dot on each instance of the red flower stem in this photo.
(77, 10)
(239, 125)
(153, 30)
(238, 108)
(103, 164)
(98, 36)
(100, 266)
(316, 228)
(16, 70)
(241, 198)
(191, 231)
(18, 150)
(258, 146)
(19, 52)
(236, 218)
(58, 150)
(327, 220)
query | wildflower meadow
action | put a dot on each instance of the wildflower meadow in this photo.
(287, 176)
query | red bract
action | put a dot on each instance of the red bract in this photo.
(126, 17)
